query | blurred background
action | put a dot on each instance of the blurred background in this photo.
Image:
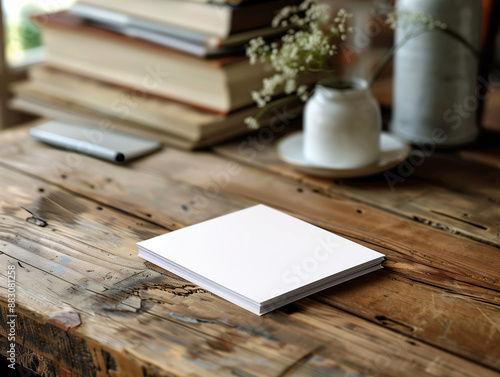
(22, 38)
(23, 45)
(20, 47)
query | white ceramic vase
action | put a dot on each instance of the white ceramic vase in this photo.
(435, 76)
(342, 126)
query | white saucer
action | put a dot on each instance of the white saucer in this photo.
(393, 152)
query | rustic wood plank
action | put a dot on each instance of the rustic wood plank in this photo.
(180, 168)
(430, 309)
(109, 302)
(491, 158)
(491, 115)
(80, 277)
(485, 151)
(340, 214)
(408, 196)
(344, 343)
(33, 362)
(108, 318)
(126, 346)
(198, 164)
(389, 352)
(205, 186)
(175, 162)
(468, 177)
(241, 327)
(62, 167)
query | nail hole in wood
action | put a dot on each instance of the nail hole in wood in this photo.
(359, 211)
(300, 190)
(63, 176)
(148, 215)
(99, 208)
(41, 189)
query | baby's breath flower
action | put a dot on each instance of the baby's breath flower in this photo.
(290, 85)
(392, 20)
(252, 123)
(303, 93)
(306, 48)
(257, 97)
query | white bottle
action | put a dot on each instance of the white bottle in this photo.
(435, 76)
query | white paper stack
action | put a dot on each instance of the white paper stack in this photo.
(260, 258)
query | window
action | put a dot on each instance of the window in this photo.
(22, 37)
(20, 46)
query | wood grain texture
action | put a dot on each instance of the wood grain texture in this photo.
(96, 289)
(91, 307)
(417, 196)
(190, 187)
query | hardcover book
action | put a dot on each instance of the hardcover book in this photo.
(217, 85)
(220, 20)
(60, 95)
(178, 38)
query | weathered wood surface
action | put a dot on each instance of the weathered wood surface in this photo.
(88, 306)
(432, 187)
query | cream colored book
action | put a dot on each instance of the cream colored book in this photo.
(220, 20)
(122, 105)
(218, 85)
(50, 109)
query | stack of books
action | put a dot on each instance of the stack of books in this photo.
(174, 70)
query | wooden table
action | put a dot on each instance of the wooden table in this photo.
(88, 306)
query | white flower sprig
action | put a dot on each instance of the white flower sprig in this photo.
(306, 48)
